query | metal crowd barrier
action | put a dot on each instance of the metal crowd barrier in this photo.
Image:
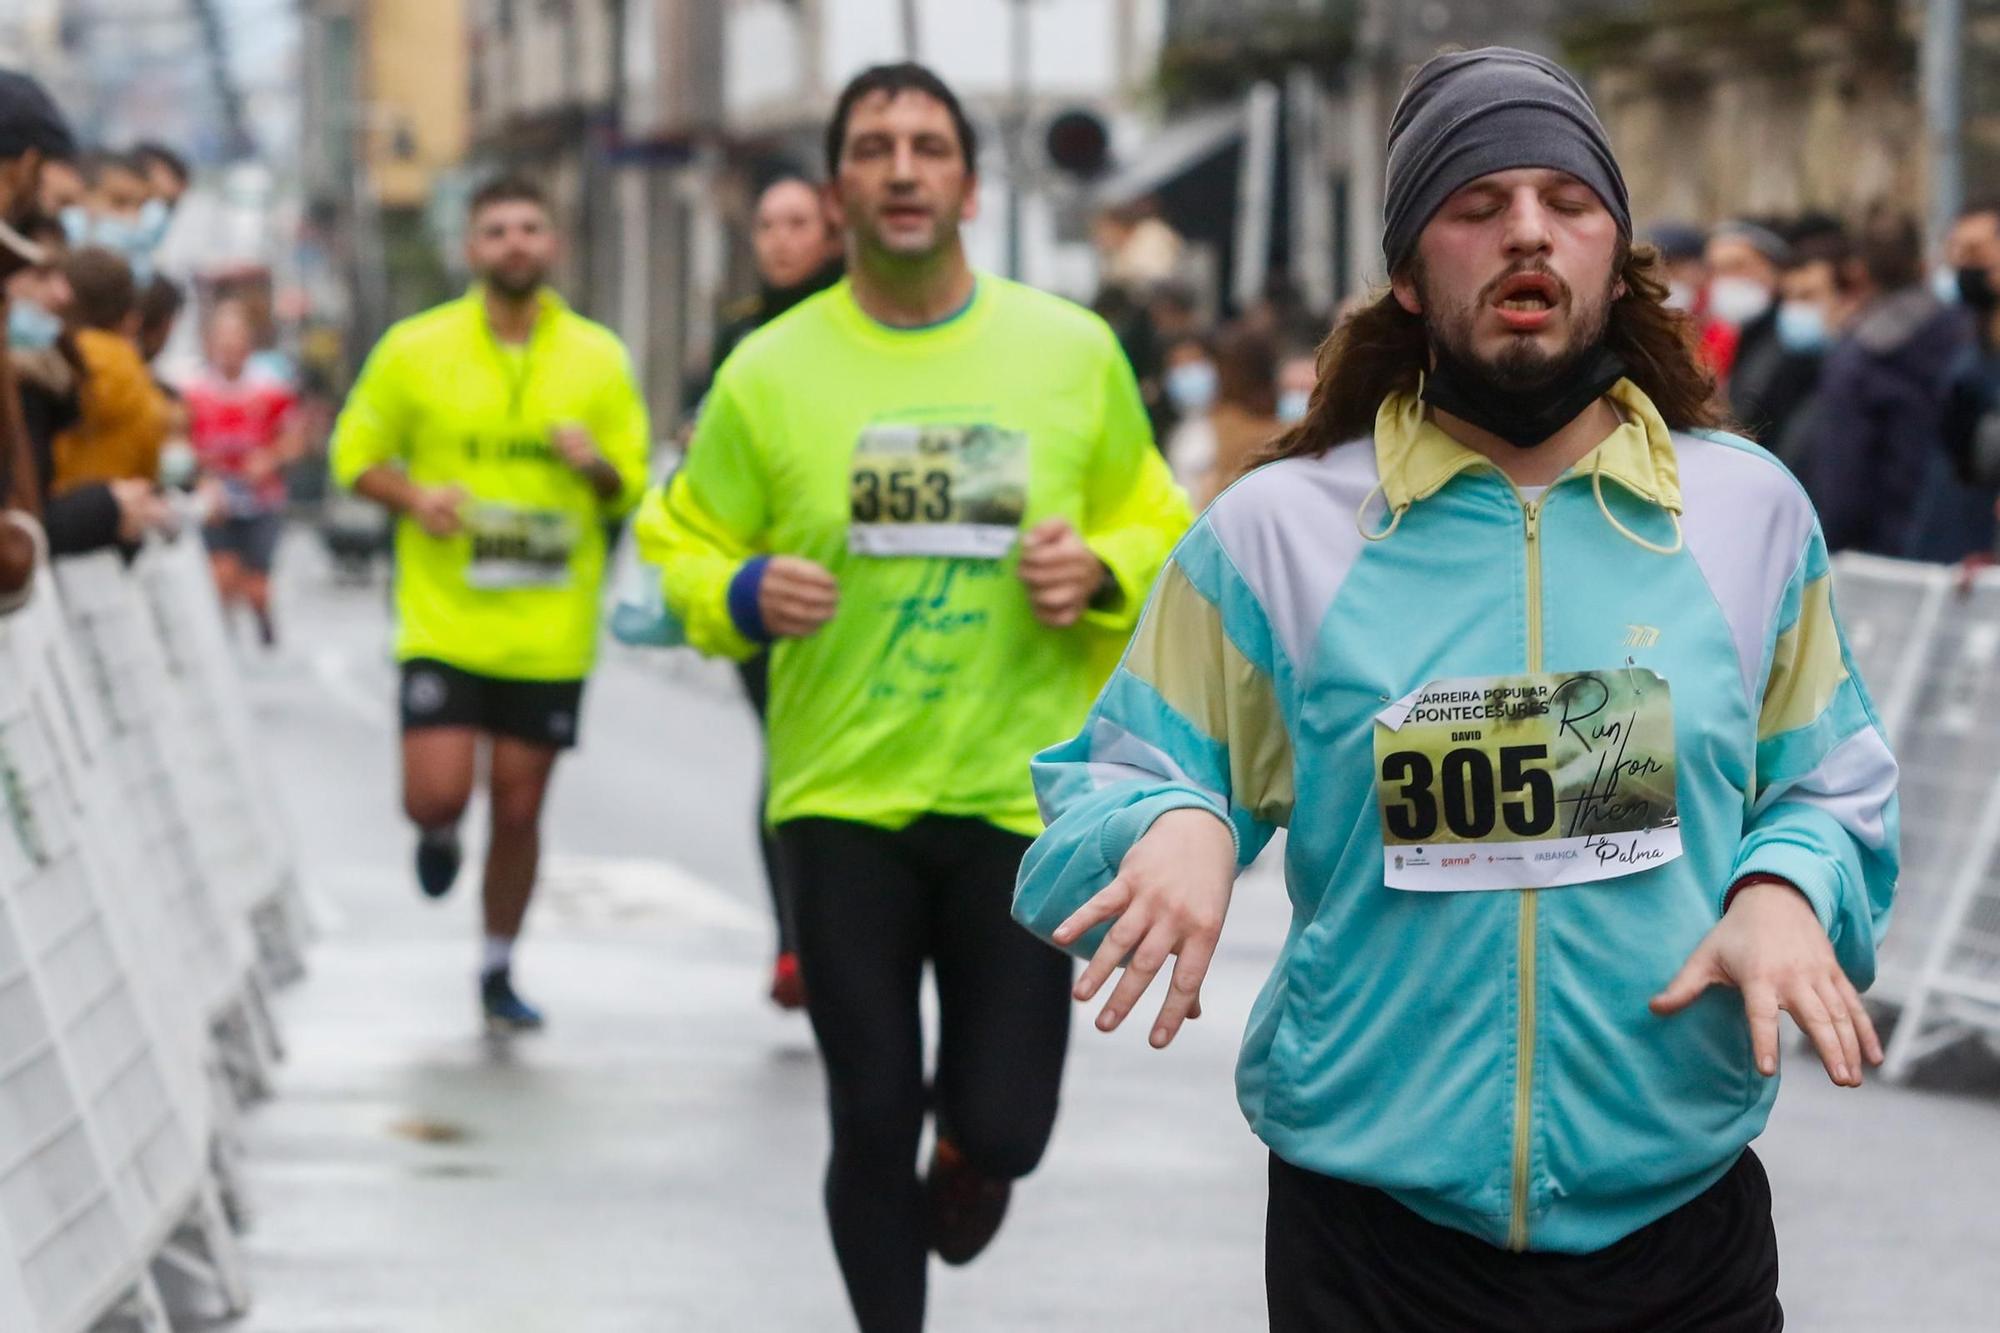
(1927, 642)
(148, 902)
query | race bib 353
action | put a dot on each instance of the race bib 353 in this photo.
(937, 490)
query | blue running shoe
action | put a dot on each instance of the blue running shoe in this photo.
(506, 1012)
(438, 858)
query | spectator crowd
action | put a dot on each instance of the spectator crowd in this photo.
(100, 446)
(1873, 375)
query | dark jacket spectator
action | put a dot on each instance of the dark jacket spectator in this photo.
(742, 318)
(1877, 469)
(1878, 421)
(1972, 417)
(1769, 382)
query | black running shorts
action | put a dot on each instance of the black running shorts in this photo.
(1342, 1258)
(540, 712)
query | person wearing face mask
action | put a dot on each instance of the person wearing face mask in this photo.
(1189, 383)
(33, 133)
(1972, 404)
(1766, 380)
(1298, 375)
(1813, 308)
(1743, 260)
(1496, 1085)
(48, 371)
(1876, 466)
(120, 212)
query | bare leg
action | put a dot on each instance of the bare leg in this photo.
(228, 571)
(519, 782)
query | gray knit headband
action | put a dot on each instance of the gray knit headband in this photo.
(1472, 113)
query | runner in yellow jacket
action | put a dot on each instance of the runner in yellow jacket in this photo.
(508, 436)
(935, 493)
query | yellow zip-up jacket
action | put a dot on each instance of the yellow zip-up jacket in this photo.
(515, 595)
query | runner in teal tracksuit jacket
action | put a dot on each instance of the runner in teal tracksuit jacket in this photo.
(1488, 1058)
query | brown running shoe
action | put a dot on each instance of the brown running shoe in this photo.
(965, 1208)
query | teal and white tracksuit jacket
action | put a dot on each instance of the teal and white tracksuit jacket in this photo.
(1488, 1058)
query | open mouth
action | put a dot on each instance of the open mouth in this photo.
(1528, 293)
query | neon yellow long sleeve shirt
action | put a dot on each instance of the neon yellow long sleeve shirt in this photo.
(933, 684)
(516, 594)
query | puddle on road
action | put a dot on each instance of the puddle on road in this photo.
(454, 1171)
(419, 1129)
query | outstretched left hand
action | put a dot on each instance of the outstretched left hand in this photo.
(1770, 946)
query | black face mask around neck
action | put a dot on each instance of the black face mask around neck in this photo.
(1523, 418)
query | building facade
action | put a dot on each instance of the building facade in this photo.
(385, 115)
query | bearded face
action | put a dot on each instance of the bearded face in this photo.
(1515, 275)
(1518, 364)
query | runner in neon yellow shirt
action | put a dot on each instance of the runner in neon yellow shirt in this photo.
(507, 434)
(937, 493)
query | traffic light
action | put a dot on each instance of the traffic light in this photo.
(1078, 143)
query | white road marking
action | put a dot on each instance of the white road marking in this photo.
(616, 886)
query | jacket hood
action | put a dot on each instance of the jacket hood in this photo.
(1913, 331)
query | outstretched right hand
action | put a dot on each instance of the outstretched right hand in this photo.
(437, 510)
(796, 597)
(1170, 896)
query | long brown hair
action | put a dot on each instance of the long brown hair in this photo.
(1381, 348)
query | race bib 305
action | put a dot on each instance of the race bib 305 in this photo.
(1533, 781)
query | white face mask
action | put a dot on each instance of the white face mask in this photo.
(1680, 295)
(1737, 300)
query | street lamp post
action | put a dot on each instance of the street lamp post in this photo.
(1017, 136)
(1943, 64)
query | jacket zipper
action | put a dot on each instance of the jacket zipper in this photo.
(1524, 1036)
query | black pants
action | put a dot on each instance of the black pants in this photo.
(756, 677)
(872, 906)
(1342, 1258)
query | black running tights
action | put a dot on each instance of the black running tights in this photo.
(872, 906)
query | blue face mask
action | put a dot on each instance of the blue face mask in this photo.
(31, 328)
(154, 219)
(1293, 405)
(1944, 284)
(1191, 387)
(1802, 327)
(131, 239)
